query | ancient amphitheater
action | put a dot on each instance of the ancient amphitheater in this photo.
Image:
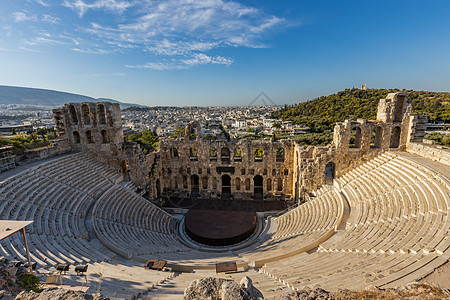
(372, 208)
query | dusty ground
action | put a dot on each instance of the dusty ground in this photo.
(439, 277)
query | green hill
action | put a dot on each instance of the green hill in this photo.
(322, 113)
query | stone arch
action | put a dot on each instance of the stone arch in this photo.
(158, 188)
(395, 137)
(269, 184)
(105, 138)
(237, 154)
(101, 113)
(398, 108)
(330, 170)
(355, 137)
(258, 182)
(85, 112)
(73, 114)
(237, 184)
(89, 137)
(225, 155)
(280, 154)
(376, 137)
(258, 154)
(185, 185)
(175, 182)
(174, 152)
(195, 182)
(247, 184)
(193, 153)
(226, 186)
(279, 185)
(76, 137)
(212, 154)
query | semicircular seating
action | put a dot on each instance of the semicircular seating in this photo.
(394, 214)
(397, 230)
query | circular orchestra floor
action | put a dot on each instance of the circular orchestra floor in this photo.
(219, 227)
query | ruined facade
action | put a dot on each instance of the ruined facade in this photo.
(191, 166)
(89, 125)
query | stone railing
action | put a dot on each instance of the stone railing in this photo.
(433, 152)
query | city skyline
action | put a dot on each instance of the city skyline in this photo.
(197, 53)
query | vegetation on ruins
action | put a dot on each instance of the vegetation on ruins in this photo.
(29, 282)
(439, 138)
(322, 113)
(147, 139)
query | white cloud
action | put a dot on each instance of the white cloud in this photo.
(82, 7)
(97, 51)
(176, 34)
(41, 2)
(50, 19)
(185, 63)
(20, 16)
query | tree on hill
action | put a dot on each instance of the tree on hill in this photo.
(322, 113)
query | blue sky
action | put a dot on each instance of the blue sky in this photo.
(217, 52)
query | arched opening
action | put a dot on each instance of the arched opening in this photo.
(193, 154)
(398, 109)
(89, 137)
(225, 155)
(86, 114)
(101, 114)
(73, 115)
(76, 137)
(329, 172)
(237, 184)
(174, 152)
(376, 137)
(194, 186)
(158, 188)
(212, 154)
(280, 155)
(258, 187)
(247, 184)
(226, 187)
(105, 138)
(395, 137)
(258, 154)
(269, 184)
(237, 154)
(175, 182)
(355, 138)
(279, 185)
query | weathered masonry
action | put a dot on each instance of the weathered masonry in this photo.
(191, 166)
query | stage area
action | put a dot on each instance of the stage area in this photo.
(219, 227)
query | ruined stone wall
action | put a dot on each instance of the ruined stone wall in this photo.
(433, 152)
(185, 163)
(89, 125)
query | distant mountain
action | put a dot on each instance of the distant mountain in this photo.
(32, 96)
